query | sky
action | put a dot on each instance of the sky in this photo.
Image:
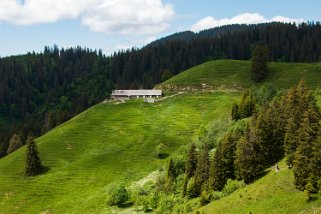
(112, 25)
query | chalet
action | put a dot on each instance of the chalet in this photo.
(129, 94)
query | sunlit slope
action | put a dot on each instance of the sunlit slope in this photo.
(107, 143)
(273, 193)
(229, 75)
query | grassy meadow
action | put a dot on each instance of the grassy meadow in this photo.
(233, 75)
(273, 193)
(106, 144)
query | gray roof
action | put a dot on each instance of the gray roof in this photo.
(136, 93)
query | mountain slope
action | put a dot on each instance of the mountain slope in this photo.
(107, 143)
(230, 75)
(273, 193)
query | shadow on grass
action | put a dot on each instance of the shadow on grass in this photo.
(126, 205)
(163, 156)
(44, 170)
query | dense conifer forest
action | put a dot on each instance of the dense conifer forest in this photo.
(39, 91)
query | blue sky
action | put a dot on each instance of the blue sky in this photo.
(111, 25)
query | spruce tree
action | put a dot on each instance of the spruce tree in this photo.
(259, 67)
(170, 175)
(303, 154)
(249, 161)
(222, 167)
(315, 167)
(202, 170)
(15, 143)
(33, 163)
(190, 166)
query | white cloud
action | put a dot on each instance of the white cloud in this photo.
(244, 18)
(125, 17)
(136, 17)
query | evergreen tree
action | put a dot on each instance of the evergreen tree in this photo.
(171, 174)
(15, 143)
(248, 158)
(190, 166)
(303, 154)
(315, 175)
(222, 167)
(235, 112)
(202, 170)
(33, 162)
(259, 67)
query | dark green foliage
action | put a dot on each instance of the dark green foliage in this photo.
(303, 154)
(246, 107)
(315, 175)
(118, 196)
(222, 167)
(202, 170)
(264, 94)
(170, 175)
(166, 75)
(191, 190)
(33, 162)
(235, 112)
(15, 143)
(298, 102)
(249, 161)
(308, 190)
(260, 58)
(269, 131)
(190, 166)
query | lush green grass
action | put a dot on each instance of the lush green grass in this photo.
(273, 193)
(235, 75)
(107, 143)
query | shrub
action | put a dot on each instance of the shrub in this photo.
(308, 189)
(159, 150)
(191, 191)
(231, 186)
(118, 196)
(205, 198)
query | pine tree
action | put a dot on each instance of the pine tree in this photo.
(190, 166)
(33, 162)
(303, 154)
(170, 175)
(315, 168)
(202, 170)
(260, 58)
(15, 143)
(235, 112)
(248, 158)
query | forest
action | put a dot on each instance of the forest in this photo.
(39, 91)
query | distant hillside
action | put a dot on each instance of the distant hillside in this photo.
(208, 33)
(233, 75)
(273, 193)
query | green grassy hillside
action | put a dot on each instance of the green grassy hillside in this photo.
(273, 193)
(227, 75)
(107, 143)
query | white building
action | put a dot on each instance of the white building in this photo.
(128, 94)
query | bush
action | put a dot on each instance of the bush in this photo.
(205, 198)
(118, 196)
(308, 189)
(216, 195)
(191, 190)
(231, 186)
(159, 150)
